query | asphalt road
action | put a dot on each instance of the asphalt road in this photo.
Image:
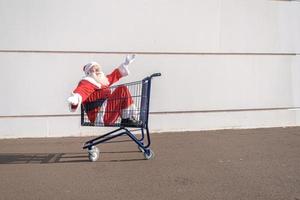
(211, 165)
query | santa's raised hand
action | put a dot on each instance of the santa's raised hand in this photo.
(129, 59)
(124, 66)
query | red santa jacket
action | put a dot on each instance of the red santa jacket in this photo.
(90, 90)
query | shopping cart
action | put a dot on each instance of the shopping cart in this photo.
(140, 94)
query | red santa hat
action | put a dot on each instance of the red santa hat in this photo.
(88, 67)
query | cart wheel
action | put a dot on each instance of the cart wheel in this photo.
(93, 154)
(148, 154)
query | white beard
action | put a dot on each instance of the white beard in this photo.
(101, 78)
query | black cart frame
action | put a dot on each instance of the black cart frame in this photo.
(140, 91)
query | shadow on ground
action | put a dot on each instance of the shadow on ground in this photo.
(48, 158)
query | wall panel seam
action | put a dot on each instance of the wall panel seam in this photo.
(162, 112)
(150, 53)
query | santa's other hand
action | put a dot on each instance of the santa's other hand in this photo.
(74, 100)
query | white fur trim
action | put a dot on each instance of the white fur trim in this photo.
(79, 97)
(101, 113)
(124, 70)
(92, 81)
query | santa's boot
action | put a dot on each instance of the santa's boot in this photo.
(130, 117)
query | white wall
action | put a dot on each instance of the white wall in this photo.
(296, 85)
(224, 64)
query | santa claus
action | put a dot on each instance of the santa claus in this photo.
(94, 87)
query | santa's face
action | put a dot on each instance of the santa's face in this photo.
(96, 69)
(95, 73)
(98, 75)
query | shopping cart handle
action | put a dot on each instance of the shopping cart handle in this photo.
(155, 74)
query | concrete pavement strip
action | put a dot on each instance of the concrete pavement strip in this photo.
(226, 164)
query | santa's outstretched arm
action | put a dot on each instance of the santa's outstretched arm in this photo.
(80, 94)
(121, 71)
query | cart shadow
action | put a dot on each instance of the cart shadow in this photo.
(50, 158)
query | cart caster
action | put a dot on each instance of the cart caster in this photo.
(148, 154)
(93, 154)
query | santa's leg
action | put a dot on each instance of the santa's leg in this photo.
(119, 100)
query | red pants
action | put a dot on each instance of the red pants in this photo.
(119, 99)
(116, 101)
